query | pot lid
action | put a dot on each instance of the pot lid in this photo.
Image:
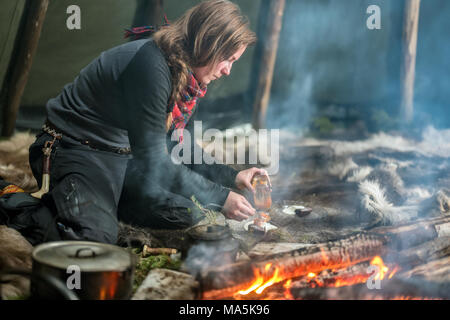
(210, 232)
(89, 256)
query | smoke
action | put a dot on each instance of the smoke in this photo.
(328, 57)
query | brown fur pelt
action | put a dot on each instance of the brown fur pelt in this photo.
(14, 164)
(15, 253)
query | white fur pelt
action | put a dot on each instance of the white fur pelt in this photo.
(15, 250)
(14, 164)
(15, 253)
(384, 195)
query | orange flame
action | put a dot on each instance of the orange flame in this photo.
(382, 269)
(260, 284)
(266, 278)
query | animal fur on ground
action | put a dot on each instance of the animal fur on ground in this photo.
(15, 253)
(14, 164)
(385, 197)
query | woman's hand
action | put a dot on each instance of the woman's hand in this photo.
(245, 177)
(236, 207)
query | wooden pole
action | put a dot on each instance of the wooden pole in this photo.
(267, 62)
(148, 12)
(21, 60)
(410, 31)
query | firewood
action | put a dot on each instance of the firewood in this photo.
(352, 275)
(398, 289)
(224, 281)
(437, 271)
(428, 251)
(263, 250)
(414, 233)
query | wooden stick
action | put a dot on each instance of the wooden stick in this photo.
(147, 251)
(21, 60)
(410, 31)
(267, 63)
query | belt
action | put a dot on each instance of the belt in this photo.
(57, 133)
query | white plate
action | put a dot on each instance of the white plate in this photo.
(290, 210)
(269, 226)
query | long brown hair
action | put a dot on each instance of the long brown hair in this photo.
(205, 35)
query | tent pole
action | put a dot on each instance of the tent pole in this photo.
(148, 12)
(267, 62)
(408, 68)
(25, 46)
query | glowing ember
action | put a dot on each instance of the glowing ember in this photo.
(396, 268)
(287, 292)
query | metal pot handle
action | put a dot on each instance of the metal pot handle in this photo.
(92, 252)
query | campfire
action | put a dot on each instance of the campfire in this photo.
(363, 266)
(334, 279)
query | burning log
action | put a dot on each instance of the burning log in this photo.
(225, 281)
(352, 275)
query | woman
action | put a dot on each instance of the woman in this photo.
(130, 100)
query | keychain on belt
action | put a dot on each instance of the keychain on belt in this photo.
(47, 151)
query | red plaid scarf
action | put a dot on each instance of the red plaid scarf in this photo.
(183, 109)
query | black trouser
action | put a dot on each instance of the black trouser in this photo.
(85, 188)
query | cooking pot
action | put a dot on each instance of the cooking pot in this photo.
(94, 271)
